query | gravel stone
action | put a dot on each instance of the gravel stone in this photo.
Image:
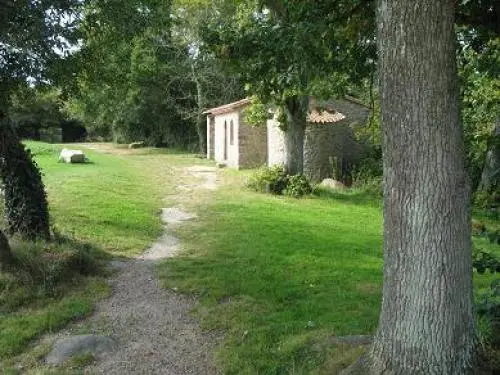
(66, 348)
(151, 325)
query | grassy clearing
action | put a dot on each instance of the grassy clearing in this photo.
(281, 275)
(107, 202)
(106, 208)
(278, 275)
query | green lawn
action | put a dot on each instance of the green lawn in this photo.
(277, 276)
(108, 207)
(108, 202)
(280, 275)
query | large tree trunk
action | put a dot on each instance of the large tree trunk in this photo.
(426, 322)
(26, 208)
(296, 112)
(490, 178)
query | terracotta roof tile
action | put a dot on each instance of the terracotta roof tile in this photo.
(324, 116)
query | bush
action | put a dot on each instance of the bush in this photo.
(274, 180)
(268, 180)
(298, 185)
(489, 202)
(372, 186)
(488, 303)
(484, 261)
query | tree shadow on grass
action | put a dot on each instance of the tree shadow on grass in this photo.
(349, 196)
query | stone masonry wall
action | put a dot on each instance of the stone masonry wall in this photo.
(318, 150)
(252, 144)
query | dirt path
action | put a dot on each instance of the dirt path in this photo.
(151, 325)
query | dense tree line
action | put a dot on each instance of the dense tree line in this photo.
(144, 75)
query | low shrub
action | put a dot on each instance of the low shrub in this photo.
(269, 180)
(298, 185)
(489, 202)
(484, 261)
(274, 180)
(488, 303)
(372, 186)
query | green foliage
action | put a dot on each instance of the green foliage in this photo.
(30, 35)
(132, 84)
(367, 175)
(284, 49)
(256, 114)
(274, 180)
(269, 180)
(484, 261)
(488, 302)
(480, 97)
(26, 207)
(34, 109)
(37, 112)
(372, 186)
(297, 186)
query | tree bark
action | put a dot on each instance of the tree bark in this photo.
(201, 124)
(426, 322)
(296, 113)
(490, 178)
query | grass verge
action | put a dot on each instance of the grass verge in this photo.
(108, 207)
(280, 276)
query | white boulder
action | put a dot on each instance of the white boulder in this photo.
(332, 184)
(72, 156)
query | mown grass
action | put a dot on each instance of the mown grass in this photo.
(108, 207)
(107, 202)
(277, 275)
(280, 276)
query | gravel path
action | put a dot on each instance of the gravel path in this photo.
(152, 325)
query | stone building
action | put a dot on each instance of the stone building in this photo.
(329, 142)
(230, 141)
(329, 139)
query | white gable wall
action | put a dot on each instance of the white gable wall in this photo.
(222, 135)
(275, 144)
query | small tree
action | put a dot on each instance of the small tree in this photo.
(32, 34)
(26, 208)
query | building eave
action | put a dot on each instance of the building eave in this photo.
(226, 108)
